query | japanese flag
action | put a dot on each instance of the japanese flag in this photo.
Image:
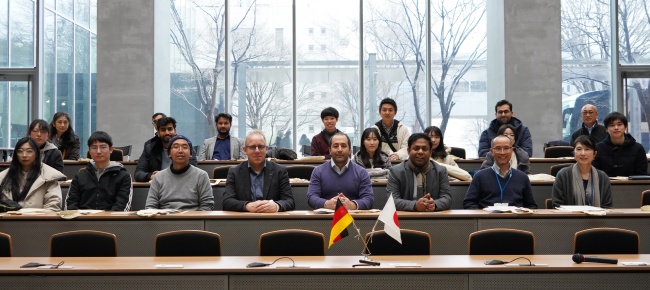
(388, 216)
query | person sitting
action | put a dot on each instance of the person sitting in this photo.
(394, 135)
(28, 181)
(581, 183)
(340, 179)
(223, 146)
(441, 154)
(512, 187)
(619, 154)
(590, 126)
(257, 185)
(63, 137)
(155, 156)
(103, 184)
(154, 120)
(505, 115)
(181, 185)
(370, 156)
(520, 156)
(320, 142)
(418, 183)
(39, 130)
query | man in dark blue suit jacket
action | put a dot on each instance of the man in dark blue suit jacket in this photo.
(257, 185)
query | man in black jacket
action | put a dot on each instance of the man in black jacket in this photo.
(155, 157)
(103, 184)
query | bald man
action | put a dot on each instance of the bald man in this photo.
(590, 126)
(500, 184)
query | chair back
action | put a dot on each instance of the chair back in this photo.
(302, 171)
(221, 172)
(458, 152)
(187, 243)
(556, 168)
(548, 203)
(126, 151)
(606, 241)
(5, 245)
(413, 243)
(83, 243)
(306, 150)
(292, 242)
(645, 197)
(117, 155)
(501, 242)
(558, 152)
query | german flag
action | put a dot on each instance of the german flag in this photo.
(342, 219)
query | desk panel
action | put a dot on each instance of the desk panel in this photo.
(445, 272)
(135, 237)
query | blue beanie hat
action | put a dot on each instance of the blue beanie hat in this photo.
(173, 139)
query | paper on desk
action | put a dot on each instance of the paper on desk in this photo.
(590, 210)
(506, 209)
(153, 212)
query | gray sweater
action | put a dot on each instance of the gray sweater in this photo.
(189, 190)
(563, 189)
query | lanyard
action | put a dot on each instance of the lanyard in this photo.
(502, 188)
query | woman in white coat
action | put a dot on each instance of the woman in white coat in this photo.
(30, 182)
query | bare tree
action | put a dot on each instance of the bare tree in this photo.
(399, 32)
(205, 79)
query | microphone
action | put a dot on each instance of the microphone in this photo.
(578, 258)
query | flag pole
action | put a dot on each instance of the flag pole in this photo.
(365, 252)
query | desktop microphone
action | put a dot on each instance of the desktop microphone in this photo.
(581, 258)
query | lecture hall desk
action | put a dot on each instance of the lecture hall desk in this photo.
(240, 232)
(328, 272)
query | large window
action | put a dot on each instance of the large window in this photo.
(68, 65)
(586, 60)
(334, 65)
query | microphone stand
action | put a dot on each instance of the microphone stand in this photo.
(365, 251)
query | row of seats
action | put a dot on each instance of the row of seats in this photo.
(294, 242)
(302, 171)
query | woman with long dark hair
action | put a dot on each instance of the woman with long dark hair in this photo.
(441, 154)
(370, 156)
(63, 137)
(582, 183)
(28, 181)
(39, 130)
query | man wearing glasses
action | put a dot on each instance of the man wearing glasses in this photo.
(104, 184)
(180, 186)
(257, 185)
(500, 184)
(590, 126)
(504, 115)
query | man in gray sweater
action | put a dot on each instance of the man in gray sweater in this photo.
(181, 186)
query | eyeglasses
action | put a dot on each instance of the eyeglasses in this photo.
(256, 147)
(585, 113)
(503, 112)
(41, 131)
(102, 148)
(27, 152)
(501, 149)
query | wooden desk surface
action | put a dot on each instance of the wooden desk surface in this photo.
(319, 264)
(310, 215)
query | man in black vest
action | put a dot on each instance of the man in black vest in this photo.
(394, 135)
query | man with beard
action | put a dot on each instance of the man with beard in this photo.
(419, 183)
(154, 121)
(180, 186)
(340, 178)
(500, 184)
(257, 185)
(155, 156)
(223, 146)
(505, 115)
